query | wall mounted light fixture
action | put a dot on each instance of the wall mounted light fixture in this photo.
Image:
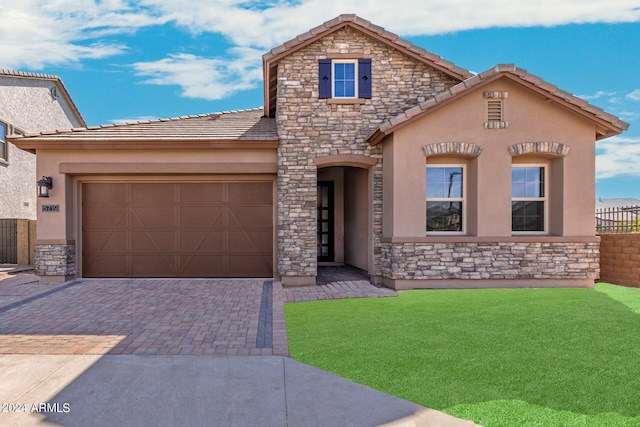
(44, 185)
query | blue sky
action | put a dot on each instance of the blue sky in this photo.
(133, 60)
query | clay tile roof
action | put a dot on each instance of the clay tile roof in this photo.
(612, 124)
(244, 125)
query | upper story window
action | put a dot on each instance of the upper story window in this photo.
(528, 199)
(344, 78)
(445, 198)
(345, 84)
(4, 148)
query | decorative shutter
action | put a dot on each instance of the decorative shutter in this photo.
(324, 78)
(364, 76)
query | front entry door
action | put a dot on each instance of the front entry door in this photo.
(325, 221)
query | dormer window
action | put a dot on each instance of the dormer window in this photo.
(344, 78)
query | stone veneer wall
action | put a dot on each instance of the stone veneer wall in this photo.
(308, 128)
(490, 260)
(55, 260)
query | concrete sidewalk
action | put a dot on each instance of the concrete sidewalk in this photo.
(130, 390)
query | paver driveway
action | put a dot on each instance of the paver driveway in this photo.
(146, 317)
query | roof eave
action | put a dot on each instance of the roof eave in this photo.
(161, 143)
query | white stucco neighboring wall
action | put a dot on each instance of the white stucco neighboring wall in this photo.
(29, 103)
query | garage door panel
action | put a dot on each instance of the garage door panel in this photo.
(115, 265)
(152, 193)
(211, 242)
(255, 193)
(202, 266)
(153, 240)
(153, 217)
(153, 265)
(201, 216)
(104, 217)
(248, 241)
(251, 266)
(201, 193)
(105, 241)
(106, 194)
(251, 217)
(178, 229)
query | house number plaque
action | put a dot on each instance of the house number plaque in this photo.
(50, 208)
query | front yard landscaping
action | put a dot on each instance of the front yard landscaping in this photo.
(500, 357)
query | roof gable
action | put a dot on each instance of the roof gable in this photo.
(60, 88)
(271, 58)
(607, 125)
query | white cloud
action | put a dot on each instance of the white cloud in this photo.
(618, 156)
(599, 94)
(635, 95)
(37, 33)
(205, 78)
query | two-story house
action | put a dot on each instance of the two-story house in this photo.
(369, 151)
(29, 102)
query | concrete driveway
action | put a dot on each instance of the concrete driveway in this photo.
(174, 352)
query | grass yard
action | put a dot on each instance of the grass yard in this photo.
(501, 357)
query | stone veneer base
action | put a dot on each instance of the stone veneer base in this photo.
(400, 285)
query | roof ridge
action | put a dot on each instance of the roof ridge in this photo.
(136, 122)
(28, 74)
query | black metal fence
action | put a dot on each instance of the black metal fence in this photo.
(622, 219)
(8, 241)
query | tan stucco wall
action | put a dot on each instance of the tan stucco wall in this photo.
(28, 105)
(571, 193)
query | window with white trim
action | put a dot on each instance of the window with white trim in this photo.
(528, 199)
(4, 148)
(348, 79)
(445, 198)
(345, 84)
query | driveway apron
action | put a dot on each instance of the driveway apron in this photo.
(144, 317)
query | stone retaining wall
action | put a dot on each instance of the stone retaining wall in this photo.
(490, 261)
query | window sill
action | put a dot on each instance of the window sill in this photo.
(356, 102)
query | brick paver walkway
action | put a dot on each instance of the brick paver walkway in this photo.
(156, 316)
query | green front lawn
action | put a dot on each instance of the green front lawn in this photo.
(501, 357)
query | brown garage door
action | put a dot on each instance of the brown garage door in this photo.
(177, 229)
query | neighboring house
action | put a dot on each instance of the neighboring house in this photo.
(29, 102)
(369, 151)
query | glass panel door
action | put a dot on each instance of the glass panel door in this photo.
(325, 221)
